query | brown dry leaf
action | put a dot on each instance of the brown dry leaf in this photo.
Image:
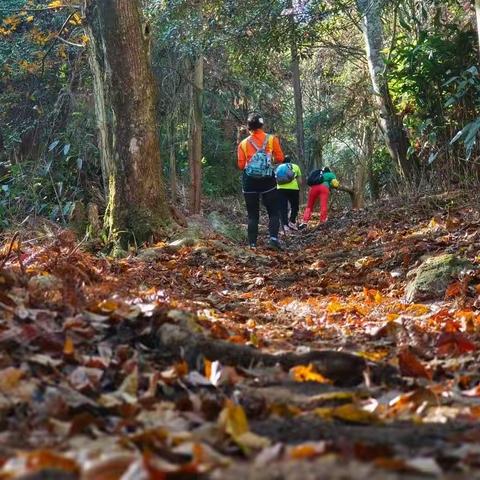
(46, 459)
(454, 343)
(10, 378)
(410, 365)
(454, 290)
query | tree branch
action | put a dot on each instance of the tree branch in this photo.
(44, 9)
(57, 37)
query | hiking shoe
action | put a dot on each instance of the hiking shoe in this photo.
(253, 246)
(292, 226)
(274, 244)
(302, 226)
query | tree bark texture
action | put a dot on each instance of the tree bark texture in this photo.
(196, 132)
(125, 99)
(361, 173)
(477, 13)
(390, 123)
(297, 95)
(173, 163)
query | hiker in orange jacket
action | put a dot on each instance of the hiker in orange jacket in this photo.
(256, 156)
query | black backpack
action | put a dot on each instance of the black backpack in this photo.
(315, 177)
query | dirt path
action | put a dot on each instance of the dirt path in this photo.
(214, 361)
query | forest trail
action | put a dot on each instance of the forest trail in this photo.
(102, 357)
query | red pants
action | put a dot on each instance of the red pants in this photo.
(317, 191)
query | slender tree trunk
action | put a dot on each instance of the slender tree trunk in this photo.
(297, 91)
(361, 173)
(196, 129)
(172, 162)
(477, 12)
(390, 123)
(297, 95)
(125, 100)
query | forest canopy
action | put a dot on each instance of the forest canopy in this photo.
(405, 112)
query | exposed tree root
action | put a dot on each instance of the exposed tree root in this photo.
(341, 368)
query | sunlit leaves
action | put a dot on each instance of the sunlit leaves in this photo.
(307, 373)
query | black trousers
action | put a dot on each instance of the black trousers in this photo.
(291, 197)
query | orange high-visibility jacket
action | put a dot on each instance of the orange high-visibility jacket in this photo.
(246, 151)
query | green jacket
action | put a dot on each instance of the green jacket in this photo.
(327, 179)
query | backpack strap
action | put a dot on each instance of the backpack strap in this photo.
(268, 142)
(255, 146)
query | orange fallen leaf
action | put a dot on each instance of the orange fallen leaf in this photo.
(308, 373)
(374, 356)
(453, 290)
(417, 309)
(43, 459)
(411, 366)
(372, 295)
(181, 368)
(238, 339)
(306, 450)
(208, 368)
(68, 347)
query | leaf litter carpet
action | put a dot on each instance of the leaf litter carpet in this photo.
(165, 366)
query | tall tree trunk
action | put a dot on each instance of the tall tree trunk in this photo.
(297, 89)
(196, 128)
(361, 173)
(477, 12)
(125, 102)
(297, 95)
(390, 123)
(172, 162)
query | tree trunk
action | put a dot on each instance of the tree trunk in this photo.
(125, 107)
(196, 127)
(173, 163)
(391, 125)
(477, 12)
(362, 168)
(297, 96)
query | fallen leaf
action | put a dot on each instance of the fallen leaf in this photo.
(69, 347)
(307, 373)
(454, 343)
(410, 365)
(307, 450)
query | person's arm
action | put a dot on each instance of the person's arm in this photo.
(277, 151)
(241, 158)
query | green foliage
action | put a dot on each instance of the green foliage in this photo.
(47, 124)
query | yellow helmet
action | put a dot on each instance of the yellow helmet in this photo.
(335, 183)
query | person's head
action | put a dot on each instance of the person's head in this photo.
(288, 159)
(254, 121)
(326, 170)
